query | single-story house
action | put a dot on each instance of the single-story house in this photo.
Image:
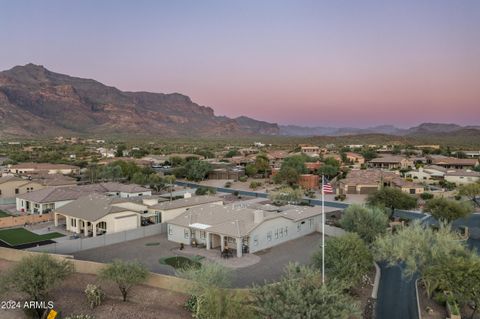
(452, 162)
(11, 186)
(51, 198)
(95, 214)
(35, 168)
(391, 162)
(370, 180)
(462, 177)
(166, 211)
(243, 229)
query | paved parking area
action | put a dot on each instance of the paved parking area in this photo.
(269, 268)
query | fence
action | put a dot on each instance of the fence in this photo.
(12, 221)
(90, 267)
(74, 245)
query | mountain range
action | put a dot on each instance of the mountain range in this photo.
(37, 102)
(422, 129)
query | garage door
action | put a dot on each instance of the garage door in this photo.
(126, 223)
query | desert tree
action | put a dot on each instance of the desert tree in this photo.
(391, 198)
(300, 294)
(125, 274)
(447, 210)
(367, 222)
(35, 276)
(347, 259)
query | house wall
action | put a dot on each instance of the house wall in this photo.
(110, 220)
(22, 204)
(177, 234)
(7, 189)
(271, 226)
(461, 180)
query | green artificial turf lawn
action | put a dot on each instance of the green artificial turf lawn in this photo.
(4, 214)
(19, 236)
(179, 262)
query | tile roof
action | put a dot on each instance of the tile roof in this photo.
(186, 202)
(235, 221)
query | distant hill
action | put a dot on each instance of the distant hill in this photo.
(424, 129)
(37, 102)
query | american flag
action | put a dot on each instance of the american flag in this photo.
(327, 187)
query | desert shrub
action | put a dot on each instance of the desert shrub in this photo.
(228, 184)
(426, 196)
(243, 178)
(94, 295)
(341, 197)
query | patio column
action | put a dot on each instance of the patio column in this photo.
(239, 241)
(77, 223)
(94, 228)
(67, 223)
(222, 242)
(207, 240)
(85, 229)
(55, 219)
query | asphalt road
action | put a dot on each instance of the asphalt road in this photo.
(396, 295)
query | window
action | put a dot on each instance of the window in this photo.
(310, 222)
(269, 236)
(281, 232)
(202, 234)
(299, 227)
(16, 190)
(255, 240)
(286, 231)
(170, 230)
(186, 233)
(276, 233)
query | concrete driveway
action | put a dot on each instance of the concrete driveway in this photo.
(269, 268)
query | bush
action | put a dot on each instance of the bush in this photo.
(255, 185)
(191, 304)
(341, 197)
(235, 193)
(243, 178)
(94, 295)
(205, 191)
(426, 196)
(228, 184)
(458, 197)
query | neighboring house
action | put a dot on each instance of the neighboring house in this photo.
(96, 214)
(391, 162)
(276, 157)
(243, 229)
(45, 168)
(370, 180)
(452, 162)
(462, 177)
(355, 158)
(51, 198)
(428, 174)
(11, 186)
(310, 150)
(106, 152)
(167, 211)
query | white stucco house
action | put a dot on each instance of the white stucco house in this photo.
(96, 214)
(244, 229)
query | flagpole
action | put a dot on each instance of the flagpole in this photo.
(323, 232)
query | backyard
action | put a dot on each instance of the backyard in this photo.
(21, 236)
(69, 298)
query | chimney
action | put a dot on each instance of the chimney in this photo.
(258, 216)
